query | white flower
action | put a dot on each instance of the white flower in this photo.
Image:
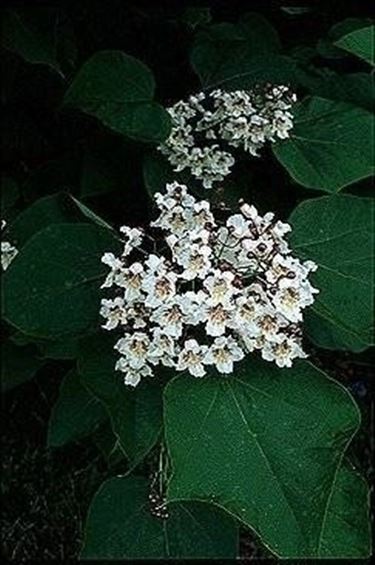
(132, 376)
(192, 305)
(131, 281)
(138, 314)
(287, 302)
(159, 289)
(191, 358)
(170, 317)
(196, 261)
(134, 347)
(222, 353)
(176, 220)
(133, 238)
(218, 318)
(238, 226)
(116, 265)
(8, 253)
(113, 311)
(202, 215)
(162, 349)
(269, 322)
(220, 287)
(282, 350)
(245, 315)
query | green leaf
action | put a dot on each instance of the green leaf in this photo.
(355, 88)
(49, 210)
(157, 172)
(52, 288)
(136, 414)
(327, 48)
(121, 526)
(55, 209)
(66, 348)
(18, 364)
(118, 90)
(59, 349)
(30, 34)
(359, 42)
(330, 146)
(237, 56)
(109, 445)
(337, 233)
(266, 445)
(76, 413)
(347, 530)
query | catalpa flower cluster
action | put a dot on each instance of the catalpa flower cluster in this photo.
(198, 291)
(208, 127)
(8, 251)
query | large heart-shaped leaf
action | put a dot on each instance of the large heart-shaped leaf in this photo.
(121, 526)
(360, 42)
(118, 90)
(330, 147)
(337, 233)
(237, 56)
(266, 445)
(76, 413)
(52, 288)
(136, 414)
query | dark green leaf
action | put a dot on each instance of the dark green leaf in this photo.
(360, 43)
(330, 147)
(355, 88)
(336, 233)
(327, 47)
(109, 445)
(18, 364)
(52, 288)
(237, 56)
(49, 210)
(347, 530)
(266, 445)
(30, 34)
(59, 349)
(157, 172)
(121, 526)
(118, 90)
(76, 413)
(136, 414)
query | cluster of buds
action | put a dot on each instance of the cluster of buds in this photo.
(8, 251)
(197, 291)
(158, 505)
(207, 126)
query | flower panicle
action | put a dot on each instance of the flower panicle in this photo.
(207, 293)
(209, 127)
